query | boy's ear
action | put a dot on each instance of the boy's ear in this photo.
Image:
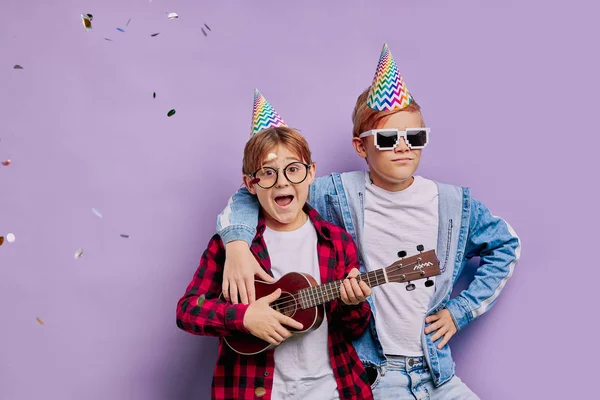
(312, 172)
(359, 147)
(248, 183)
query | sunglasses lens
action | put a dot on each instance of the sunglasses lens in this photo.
(416, 138)
(386, 140)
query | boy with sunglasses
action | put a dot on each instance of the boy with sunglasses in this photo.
(291, 237)
(388, 209)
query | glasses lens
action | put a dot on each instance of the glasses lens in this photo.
(386, 140)
(296, 172)
(416, 137)
(267, 176)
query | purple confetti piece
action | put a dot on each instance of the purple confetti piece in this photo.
(120, 30)
(203, 31)
(207, 27)
(155, 34)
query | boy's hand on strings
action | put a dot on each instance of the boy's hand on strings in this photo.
(443, 323)
(239, 271)
(351, 291)
(267, 324)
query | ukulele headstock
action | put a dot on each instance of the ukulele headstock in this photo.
(420, 266)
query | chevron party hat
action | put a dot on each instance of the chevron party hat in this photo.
(263, 115)
(388, 91)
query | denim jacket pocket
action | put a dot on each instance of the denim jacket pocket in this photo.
(332, 202)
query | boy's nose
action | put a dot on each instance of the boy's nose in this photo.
(401, 146)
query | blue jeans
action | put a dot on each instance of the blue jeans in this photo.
(409, 378)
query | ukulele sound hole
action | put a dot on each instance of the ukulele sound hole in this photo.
(286, 304)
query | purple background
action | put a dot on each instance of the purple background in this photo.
(509, 89)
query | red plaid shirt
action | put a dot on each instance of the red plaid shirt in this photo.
(238, 377)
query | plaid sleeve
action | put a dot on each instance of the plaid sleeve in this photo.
(354, 318)
(200, 311)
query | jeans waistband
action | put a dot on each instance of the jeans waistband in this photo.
(403, 362)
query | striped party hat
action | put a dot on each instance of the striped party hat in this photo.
(388, 91)
(263, 115)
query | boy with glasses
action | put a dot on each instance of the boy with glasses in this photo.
(387, 209)
(290, 237)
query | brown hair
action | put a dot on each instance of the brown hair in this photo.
(260, 144)
(364, 118)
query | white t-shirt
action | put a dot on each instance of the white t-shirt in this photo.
(396, 221)
(302, 366)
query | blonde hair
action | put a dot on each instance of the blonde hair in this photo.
(259, 145)
(364, 118)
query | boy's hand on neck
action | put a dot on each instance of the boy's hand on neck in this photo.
(267, 324)
(239, 271)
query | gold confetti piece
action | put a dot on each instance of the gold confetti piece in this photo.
(86, 19)
(78, 253)
(172, 16)
(260, 391)
(201, 299)
(10, 238)
(39, 321)
(6, 163)
(1, 240)
(271, 156)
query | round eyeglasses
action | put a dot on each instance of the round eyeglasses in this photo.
(295, 173)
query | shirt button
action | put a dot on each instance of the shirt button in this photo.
(266, 374)
(260, 391)
(411, 362)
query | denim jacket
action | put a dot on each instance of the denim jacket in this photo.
(466, 229)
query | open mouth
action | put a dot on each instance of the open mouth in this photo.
(284, 201)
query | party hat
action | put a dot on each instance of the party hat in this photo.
(388, 91)
(263, 115)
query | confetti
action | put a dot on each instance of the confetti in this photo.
(207, 27)
(204, 32)
(1, 240)
(124, 236)
(127, 24)
(172, 16)
(98, 213)
(271, 156)
(260, 391)
(17, 66)
(171, 113)
(6, 163)
(155, 34)
(86, 19)
(110, 40)
(10, 238)
(78, 253)
(120, 29)
(153, 95)
(39, 321)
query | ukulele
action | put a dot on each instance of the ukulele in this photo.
(303, 299)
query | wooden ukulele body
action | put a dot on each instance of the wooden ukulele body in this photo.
(288, 304)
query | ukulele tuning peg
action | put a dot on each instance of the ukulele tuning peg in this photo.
(420, 247)
(401, 254)
(410, 287)
(429, 283)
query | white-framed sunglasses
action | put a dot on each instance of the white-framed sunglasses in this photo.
(387, 139)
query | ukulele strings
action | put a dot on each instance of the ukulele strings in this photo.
(290, 305)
